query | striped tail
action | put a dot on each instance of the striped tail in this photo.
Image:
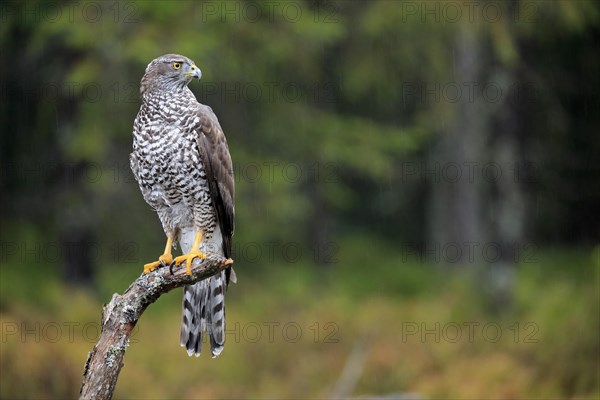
(204, 311)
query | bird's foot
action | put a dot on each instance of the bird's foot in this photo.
(164, 260)
(188, 258)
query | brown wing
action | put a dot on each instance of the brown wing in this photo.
(219, 173)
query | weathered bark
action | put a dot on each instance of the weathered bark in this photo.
(121, 314)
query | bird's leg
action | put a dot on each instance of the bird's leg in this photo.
(163, 260)
(192, 254)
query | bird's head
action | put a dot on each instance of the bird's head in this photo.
(171, 72)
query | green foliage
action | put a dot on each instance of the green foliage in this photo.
(338, 90)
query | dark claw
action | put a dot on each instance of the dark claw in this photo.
(163, 264)
(171, 267)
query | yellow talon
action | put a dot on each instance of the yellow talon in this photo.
(166, 258)
(151, 266)
(189, 257)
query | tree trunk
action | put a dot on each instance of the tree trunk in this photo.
(456, 219)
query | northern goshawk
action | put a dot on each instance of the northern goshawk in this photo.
(182, 163)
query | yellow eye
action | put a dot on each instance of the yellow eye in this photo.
(177, 65)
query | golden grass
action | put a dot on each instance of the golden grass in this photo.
(296, 346)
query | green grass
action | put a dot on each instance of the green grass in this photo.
(291, 328)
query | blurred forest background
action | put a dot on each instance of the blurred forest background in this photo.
(417, 199)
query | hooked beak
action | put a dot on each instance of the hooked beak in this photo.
(195, 72)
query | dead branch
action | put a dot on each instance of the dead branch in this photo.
(121, 314)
